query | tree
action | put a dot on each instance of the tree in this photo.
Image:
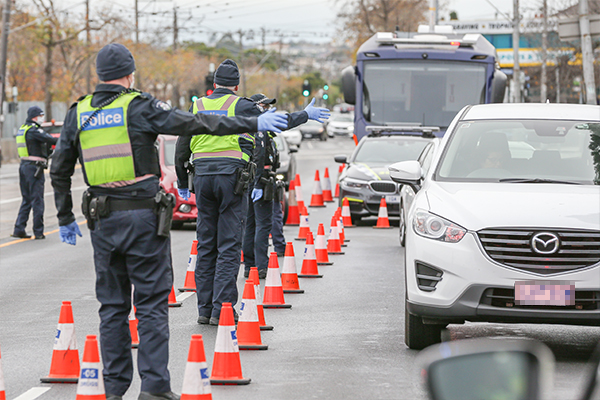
(361, 19)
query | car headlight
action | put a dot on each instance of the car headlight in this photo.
(354, 183)
(279, 177)
(185, 208)
(350, 128)
(433, 227)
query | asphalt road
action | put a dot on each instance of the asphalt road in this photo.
(342, 339)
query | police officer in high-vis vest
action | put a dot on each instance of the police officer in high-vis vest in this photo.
(223, 173)
(113, 132)
(264, 189)
(32, 147)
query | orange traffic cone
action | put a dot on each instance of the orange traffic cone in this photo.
(355, 139)
(309, 263)
(248, 328)
(196, 383)
(333, 243)
(273, 297)
(242, 257)
(133, 328)
(91, 383)
(321, 252)
(346, 217)
(382, 218)
(261, 314)
(65, 356)
(327, 195)
(316, 199)
(2, 389)
(299, 196)
(340, 226)
(172, 299)
(227, 367)
(289, 276)
(304, 227)
(336, 194)
(293, 210)
(190, 275)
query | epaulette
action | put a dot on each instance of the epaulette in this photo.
(77, 101)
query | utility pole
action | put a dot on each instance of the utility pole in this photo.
(263, 34)
(88, 73)
(557, 73)
(3, 56)
(175, 29)
(243, 69)
(137, 23)
(544, 86)
(432, 14)
(176, 94)
(586, 53)
(516, 81)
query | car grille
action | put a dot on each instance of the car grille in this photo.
(505, 298)
(513, 247)
(383, 187)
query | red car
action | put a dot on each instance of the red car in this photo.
(185, 210)
(53, 128)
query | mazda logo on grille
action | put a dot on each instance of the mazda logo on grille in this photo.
(545, 243)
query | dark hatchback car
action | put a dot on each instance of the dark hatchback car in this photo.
(313, 130)
(366, 179)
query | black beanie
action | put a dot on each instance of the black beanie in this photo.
(114, 61)
(33, 112)
(227, 74)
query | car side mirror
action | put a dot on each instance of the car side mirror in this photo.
(341, 159)
(407, 173)
(488, 369)
(293, 149)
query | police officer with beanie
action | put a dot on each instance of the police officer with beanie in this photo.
(32, 147)
(264, 190)
(223, 172)
(112, 132)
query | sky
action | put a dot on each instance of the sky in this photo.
(310, 20)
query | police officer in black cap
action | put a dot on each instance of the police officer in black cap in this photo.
(112, 132)
(220, 164)
(32, 147)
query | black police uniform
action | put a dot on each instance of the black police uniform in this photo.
(127, 249)
(260, 212)
(32, 184)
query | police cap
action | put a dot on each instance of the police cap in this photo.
(114, 61)
(228, 74)
(262, 99)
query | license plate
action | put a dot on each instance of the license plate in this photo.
(392, 199)
(545, 293)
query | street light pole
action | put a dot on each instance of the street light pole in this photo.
(544, 86)
(586, 53)
(3, 57)
(516, 81)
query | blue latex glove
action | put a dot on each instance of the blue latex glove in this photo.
(184, 193)
(316, 113)
(68, 233)
(256, 195)
(269, 121)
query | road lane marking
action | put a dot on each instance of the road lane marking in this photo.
(33, 393)
(33, 238)
(45, 194)
(184, 296)
(310, 145)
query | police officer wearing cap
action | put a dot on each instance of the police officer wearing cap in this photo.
(264, 190)
(32, 147)
(223, 171)
(112, 132)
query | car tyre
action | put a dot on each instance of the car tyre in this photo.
(418, 335)
(402, 226)
(355, 219)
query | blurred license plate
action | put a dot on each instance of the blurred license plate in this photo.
(392, 199)
(545, 293)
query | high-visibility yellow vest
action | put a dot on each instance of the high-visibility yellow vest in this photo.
(210, 146)
(22, 141)
(105, 143)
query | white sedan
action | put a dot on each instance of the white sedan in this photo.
(505, 224)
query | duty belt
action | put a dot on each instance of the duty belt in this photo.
(125, 205)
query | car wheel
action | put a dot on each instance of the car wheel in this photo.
(355, 219)
(176, 224)
(418, 335)
(402, 226)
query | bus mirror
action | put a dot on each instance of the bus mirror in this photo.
(498, 86)
(349, 84)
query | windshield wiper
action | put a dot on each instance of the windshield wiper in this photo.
(538, 180)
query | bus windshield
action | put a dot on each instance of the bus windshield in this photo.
(420, 92)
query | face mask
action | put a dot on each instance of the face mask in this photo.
(40, 120)
(132, 81)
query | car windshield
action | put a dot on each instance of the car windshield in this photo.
(170, 152)
(523, 151)
(421, 92)
(342, 118)
(388, 151)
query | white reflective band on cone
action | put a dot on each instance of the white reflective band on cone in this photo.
(65, 337)
(317, 188)
(346, 211)
(257, 294)
(289, 265)
(321, 242)
(273, 277)
(304, 221)
(382, 212)
(226, 340)
(196, 379)
(310, 253)
(192, 262)
(1, 377)
(91, 381)
(326, 184)
(299, 193)
(333, 233)
(248, 311)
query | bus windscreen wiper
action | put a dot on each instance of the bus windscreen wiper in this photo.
(538, 180)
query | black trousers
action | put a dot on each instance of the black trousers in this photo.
(32, 190)
(128, 251)
(256, 236)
